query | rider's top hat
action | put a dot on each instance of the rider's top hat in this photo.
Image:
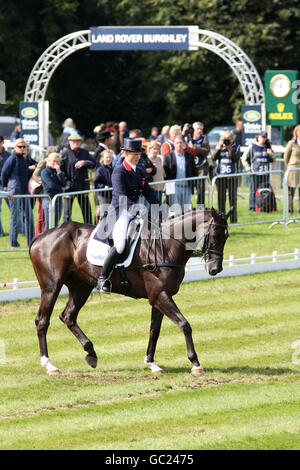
(132, 145)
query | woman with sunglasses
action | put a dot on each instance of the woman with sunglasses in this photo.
(15, 181)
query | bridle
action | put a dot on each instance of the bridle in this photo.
(162, 263)
(205, 248)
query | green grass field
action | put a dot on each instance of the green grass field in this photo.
(245, 331)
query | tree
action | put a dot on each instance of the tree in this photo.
(144, 88)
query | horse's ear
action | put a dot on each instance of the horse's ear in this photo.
(213, 212)
(229, 212)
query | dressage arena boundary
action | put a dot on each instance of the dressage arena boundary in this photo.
(194, 272)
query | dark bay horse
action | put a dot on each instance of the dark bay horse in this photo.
(59, 258)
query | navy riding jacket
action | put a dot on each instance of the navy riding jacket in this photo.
(132, 184)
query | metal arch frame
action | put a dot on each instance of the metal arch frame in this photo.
(236, 58)
(232, 54)
(48, 62)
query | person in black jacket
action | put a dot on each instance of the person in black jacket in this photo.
(53, 180)
(14, 177)
(3, 156)
(75, 163)
(104, 142)
(102, 180)
(180, 164)
(227, 155)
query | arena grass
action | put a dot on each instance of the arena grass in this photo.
(244, 330)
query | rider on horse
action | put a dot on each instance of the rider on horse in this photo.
(128, 184)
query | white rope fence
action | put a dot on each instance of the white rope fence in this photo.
(195, 271)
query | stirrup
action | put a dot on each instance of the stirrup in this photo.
(104, 285)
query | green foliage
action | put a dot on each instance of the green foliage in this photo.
(144, 88)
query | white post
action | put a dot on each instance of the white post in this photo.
(253, 258)
(275, 256)
(43, 123)
(16, 282)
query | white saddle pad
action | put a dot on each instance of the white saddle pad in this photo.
(97, 251)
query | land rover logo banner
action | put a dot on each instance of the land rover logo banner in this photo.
(29, 120)
(252, 123)
(141, 37)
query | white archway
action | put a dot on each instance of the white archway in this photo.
(48, 62)
(232, 54)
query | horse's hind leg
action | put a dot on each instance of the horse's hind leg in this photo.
(78, 295)
(42, 321)
(156, 320)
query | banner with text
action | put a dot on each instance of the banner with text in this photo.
(29, 120)
(252, 123)
(141, 37)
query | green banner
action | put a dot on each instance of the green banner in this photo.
(279, 90)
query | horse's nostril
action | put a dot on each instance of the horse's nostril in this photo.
(213, 272)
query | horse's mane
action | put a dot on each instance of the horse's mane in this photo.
(180, 217)
(218, 216)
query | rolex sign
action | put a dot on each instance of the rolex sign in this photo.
(281, 107)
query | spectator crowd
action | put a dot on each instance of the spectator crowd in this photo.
(179, 153)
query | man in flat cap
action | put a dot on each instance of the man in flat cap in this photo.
(75, 162)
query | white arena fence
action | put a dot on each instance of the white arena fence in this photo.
(194, 271)
(278, 179)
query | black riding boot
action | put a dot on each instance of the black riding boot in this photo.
(104, 284)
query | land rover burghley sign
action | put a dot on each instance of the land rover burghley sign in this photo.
(141, 37)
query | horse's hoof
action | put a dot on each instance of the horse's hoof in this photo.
(155, 369)
(53, 372)
(92, 361)
(197, 371)
(158, 372)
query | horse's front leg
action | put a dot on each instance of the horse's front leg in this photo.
(156, 319)
(165, 304)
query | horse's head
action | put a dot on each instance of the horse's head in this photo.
(214, 238)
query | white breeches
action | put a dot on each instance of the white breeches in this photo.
(120, 231)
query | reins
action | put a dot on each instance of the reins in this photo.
(152, 266)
